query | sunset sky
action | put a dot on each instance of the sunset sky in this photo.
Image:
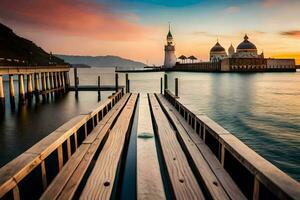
(137, 29)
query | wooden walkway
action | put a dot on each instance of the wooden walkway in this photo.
(180, 155)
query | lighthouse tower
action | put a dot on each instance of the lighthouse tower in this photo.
(170, 58)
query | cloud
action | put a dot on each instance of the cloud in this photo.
(233, 9)
(293, 33)
(270, 3)
(72, 17)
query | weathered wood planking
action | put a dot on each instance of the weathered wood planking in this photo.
(264, 173)
(101, 180)
(13, 172)
(149, 180)
(217, 180)
(66, 182)
(183, 181)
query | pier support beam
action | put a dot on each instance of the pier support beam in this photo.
(59, 81)
(12, 91)
(2, 97)
(22, 98)
(63, 81)
(44, 87)
(29, 86)
(36, 86)
(51, 80)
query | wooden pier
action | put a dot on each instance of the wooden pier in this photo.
(46, 79)
(180, 155)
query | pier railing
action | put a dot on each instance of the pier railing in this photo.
(256, 177)
(45, 159)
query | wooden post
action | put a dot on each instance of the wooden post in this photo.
(117, 82)
(22, 98)
(12, 90)
(166, 82)
(99, 89)
(29, 86)
(161, 85)
(126, 82)
(44, 88)
(51, 80)
(63, 81)
(2, 97)
(59, 81)
(176, 87)
(256, 189)
(47, 81)
(36, 86)
(75, 82)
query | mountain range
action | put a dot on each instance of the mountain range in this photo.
(102, 61)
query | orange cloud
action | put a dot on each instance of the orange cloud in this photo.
(270, 3)
(294, 33)
(72, 17)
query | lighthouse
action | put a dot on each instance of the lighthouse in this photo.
(170, 58)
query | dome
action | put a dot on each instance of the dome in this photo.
(246, 45)
(217, 48)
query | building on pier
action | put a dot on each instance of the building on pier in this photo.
(170, 58)
(244, 59)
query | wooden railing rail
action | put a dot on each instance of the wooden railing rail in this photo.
(60, 145)
(255, 176)
(6, 70)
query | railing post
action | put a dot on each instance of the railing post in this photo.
(117, 82)
(161, 85)
(166, 82)
(176, 87)
(256, 189)
(99, 89)
(126, 83)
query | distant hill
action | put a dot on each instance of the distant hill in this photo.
(15, 50)
(102, 61)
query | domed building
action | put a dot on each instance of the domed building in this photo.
(217, 53)
(246, 49)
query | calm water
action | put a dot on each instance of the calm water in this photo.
(263, 110)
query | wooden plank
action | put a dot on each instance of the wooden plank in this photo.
(149, 180)
(274, 179)
(60, 180)
(182, 179)
(16, 170)
(217, 180)
(66, 182)
(102, 178)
